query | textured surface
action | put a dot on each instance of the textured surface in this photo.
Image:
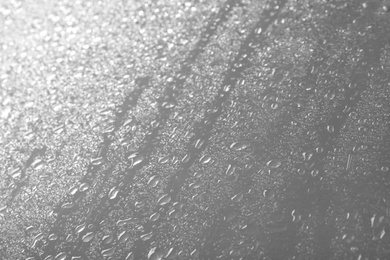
(194, 130)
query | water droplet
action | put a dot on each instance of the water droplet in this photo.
(61, 256)
(295, 216)
(123, 237)
(227, 88)
(67, 205)
(139, 204)
(163, 160)
(146, 236)
(230, 170)
(59, 129)
(109, 129)
(153, 181)
(238, 197)
(195, 185)
(123, 222)
(193, 252)
(83, 187)
(137, 160)
(108, 252)
(37, 164)
(107, 239)
(30, 229)
(53, 237)
(97, 161)
(88, 237)
(156, 255)
(174, 160)
(151, 251)
(273, 164)
(171, 253)
(69, 238)
(80, 228)
(113, 193)
(307, 156)
(167, 105)
(239, 146)
(36, 239)
(154, 217)
(164, 199)
(199, 143)
(127, 122)
(73, 190)
(3, 209)
(15, 173)
(186, 158)
(314, 172)
(383, 232)
(330, 129)
(205, 159)
(268, 194)
(171, 212)
(132, 155)
(362, 129)
(130, 256)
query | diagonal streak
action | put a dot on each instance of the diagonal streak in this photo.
(101, 210)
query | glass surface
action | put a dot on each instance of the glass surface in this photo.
(194, 129)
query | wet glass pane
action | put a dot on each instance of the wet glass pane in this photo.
(225, 129)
